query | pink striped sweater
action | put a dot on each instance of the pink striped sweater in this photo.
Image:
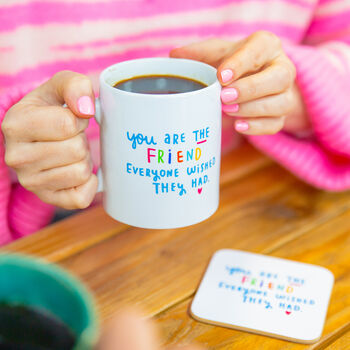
(40, 37)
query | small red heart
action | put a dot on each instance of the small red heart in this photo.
(200, 190)
(288, 312)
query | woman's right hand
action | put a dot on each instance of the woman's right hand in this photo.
(46, 143)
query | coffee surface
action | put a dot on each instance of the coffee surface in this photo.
(159, 84)
(24, 328)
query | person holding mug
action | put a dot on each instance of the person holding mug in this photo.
(283, 67)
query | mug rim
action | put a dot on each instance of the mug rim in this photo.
(208, 88)
(59, 274)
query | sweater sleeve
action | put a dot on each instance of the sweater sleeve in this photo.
(5, 184)
(323, 77)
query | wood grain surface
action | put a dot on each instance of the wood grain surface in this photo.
(342, 343)
(327, 245)
(262, 209)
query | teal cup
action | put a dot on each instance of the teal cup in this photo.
(37, 284)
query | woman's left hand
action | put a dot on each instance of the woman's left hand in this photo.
(258, 82)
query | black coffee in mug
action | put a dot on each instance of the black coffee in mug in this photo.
(26, 328)
(159, 84)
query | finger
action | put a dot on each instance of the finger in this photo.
(71, 88)
(210, 51)
(64, 177)
(272, 106)
(259, 126)
(50, 123)
(74, 198)
(38, 156)
(275, 79)
(129, 331)
(258, 49)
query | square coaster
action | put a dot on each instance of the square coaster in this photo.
(264, 295)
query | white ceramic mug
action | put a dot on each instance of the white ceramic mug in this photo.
(160, 153)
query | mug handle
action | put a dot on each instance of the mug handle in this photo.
(98, 115)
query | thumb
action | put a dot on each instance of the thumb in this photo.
(211, 51)
(70, 88)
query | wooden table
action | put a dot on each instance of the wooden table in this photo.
(262, 209)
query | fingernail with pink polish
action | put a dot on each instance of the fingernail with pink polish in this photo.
(228, 94)
(241, 126)
(230, 108)
(86, 106)
(226, 75)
